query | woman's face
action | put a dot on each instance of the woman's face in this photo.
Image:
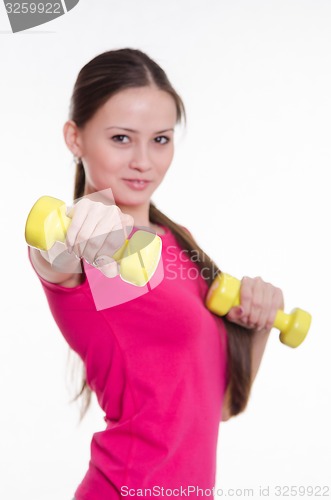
(129, 139)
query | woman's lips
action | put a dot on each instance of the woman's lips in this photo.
(136, 184)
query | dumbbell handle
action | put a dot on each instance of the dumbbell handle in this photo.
(224, 293)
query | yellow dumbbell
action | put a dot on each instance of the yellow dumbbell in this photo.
(224, 293)
(138, 258)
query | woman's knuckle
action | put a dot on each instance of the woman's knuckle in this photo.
(83, 236)
(115, 214)
(244, 293)
(115, 210)
(83, 203)
(256, 303)
(278, 295)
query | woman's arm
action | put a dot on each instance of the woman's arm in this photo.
(259, 303)
(71, 278)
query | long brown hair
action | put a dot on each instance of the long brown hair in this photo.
(105, 75)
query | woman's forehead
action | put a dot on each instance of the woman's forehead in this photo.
(131, 108)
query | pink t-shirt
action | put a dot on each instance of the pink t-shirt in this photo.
(157, 365)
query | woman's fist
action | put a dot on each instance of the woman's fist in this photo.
(259, 303)
(97, 231)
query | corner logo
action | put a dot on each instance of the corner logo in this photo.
(25, 15)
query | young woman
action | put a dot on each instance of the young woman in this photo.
(164, 368)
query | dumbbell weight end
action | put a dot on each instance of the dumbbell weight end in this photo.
(223, 294)
(293, 327)
(47, 223)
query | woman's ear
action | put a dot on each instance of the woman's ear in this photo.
(72, 138)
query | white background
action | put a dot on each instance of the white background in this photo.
(250, 179)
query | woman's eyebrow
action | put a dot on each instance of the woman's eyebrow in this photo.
(136, 131)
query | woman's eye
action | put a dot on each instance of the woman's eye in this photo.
(162, 139)
(120, 138)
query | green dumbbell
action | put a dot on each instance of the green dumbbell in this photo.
(224, 293)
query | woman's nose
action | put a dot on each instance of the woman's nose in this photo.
(140, 159)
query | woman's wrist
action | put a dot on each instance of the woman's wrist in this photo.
(61, 260)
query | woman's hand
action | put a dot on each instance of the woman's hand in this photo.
(97, 231)
(259, 303)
